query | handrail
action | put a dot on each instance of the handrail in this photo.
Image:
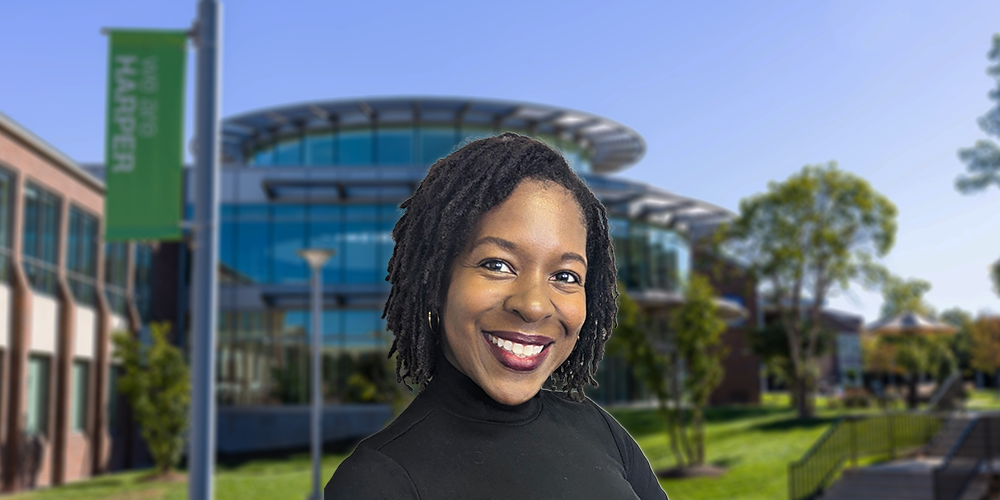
(979, 443)
(945, 389)
(854, 436)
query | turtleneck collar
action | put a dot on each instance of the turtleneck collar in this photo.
(458, 394)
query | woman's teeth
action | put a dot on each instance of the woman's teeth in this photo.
(519, 350)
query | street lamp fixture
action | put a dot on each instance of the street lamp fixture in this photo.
(316, 257)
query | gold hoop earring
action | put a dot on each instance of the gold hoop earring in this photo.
(430, 324)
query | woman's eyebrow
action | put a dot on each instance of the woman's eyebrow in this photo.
(500, 242)
(574, 256)
(510, 246)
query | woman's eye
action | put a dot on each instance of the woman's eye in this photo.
(497, 266)
(566, 277)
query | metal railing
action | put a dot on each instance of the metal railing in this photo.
(973, 453)
(947, 393)
(853, 437)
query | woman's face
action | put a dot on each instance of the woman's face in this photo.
(516, 300)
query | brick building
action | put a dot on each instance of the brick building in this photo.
(741, 382)
(62, 292)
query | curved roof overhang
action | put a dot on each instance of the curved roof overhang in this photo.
(611, 146)
(657, 206)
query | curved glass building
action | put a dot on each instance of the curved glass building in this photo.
(332, 174)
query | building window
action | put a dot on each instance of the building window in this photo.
(116, 276)
(41, 232)
(113, 398)
(6, 197)
(143, 279)
(38, 395)
(81, 256)
(395, 146)
(81, 372)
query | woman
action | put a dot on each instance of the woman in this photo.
(503, 279)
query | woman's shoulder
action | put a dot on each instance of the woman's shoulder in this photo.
(368, 473)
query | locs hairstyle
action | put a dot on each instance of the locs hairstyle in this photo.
(433, 231)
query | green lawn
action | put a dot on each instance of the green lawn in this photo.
(755, 444)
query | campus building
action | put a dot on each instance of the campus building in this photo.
(332, 174)
(323, 174)
(62, 292)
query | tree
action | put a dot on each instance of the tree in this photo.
(900, 296)
(819, 229)
(912, 354)
(770, 344)
(158, 386)
(684, 370)
(961, 341)
(698, 330)
(982, 161)
(986, 346)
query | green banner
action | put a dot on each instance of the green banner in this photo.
(144, 148)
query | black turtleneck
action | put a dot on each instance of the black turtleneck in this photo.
(456, 442)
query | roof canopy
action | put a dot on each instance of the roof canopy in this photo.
(611, 146)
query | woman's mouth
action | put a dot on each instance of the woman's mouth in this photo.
(516, 356)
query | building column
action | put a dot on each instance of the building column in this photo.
(18, 475)
(65, 353)
(100, 371)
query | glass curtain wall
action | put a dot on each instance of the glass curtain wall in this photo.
(258, 243)
(264, 357)
(81, 256)
(41, 233)
(116, 276)
(389, 146)
(649, 257)
(143, 278)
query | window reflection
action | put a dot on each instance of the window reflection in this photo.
(421, 144)
(264, 358)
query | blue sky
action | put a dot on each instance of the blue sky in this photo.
(728, 95)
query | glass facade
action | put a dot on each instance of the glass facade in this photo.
(388, 146)
(41, 233)
(143, 278)
(81, 256)
(264, 357)
(258, 243)
(264, 344)
(650, 257)
(116, 276)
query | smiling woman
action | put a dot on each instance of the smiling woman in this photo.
(503, 280)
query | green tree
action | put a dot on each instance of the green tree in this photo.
(698, 330)
(631, 341)
(770, 344)
(901, 296)
(683, 370)
(982, 161)
(913, 354)
(986, 346)
(819, 229)
(158, 386)
(961, 341)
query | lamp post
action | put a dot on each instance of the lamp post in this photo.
(316, 257)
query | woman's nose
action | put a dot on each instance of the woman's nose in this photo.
(530, 298)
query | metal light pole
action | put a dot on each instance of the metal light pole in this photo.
(201, 447)
(316, 257)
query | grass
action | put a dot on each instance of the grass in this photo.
(984, 399)
(755, 444)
